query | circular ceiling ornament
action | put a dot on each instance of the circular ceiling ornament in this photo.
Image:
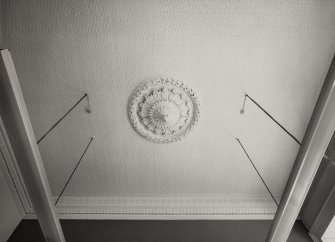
(164, 110)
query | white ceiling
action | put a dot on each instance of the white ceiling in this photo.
(276, 51)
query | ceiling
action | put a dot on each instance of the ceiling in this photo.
(276, 51)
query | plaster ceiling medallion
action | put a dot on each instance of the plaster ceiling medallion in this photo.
(164, 110)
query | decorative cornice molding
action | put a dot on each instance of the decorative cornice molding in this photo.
(164, 110)
(160, 207)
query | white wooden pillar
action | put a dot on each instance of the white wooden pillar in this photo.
(317, 137)
(16, 120)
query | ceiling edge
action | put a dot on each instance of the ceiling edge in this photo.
(167, 207)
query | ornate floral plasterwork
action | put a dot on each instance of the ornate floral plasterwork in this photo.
(164, 110)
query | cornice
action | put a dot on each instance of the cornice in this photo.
(200, 207)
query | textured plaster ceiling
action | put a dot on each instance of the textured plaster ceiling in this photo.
(276, 51)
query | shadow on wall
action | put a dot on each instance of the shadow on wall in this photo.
(153, 231)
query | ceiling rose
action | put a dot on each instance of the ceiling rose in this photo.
(164, 110)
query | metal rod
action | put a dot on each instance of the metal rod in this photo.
(20, 133)
(267, 188)
(74, 170)
(273, 119)
(315, 142)
(59, 120)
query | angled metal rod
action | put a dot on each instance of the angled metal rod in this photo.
(273, 119)
(317, 137)
(74, 170)
(59, 120)
(252, 163)
(21, 137)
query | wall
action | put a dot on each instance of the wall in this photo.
(163, 231)
(0, 25)
(9, 213)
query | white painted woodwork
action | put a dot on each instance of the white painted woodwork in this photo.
(314, 145)
(16, 121)
(329, 235)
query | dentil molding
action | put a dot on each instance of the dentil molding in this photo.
(164, 110)
(166, 207)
